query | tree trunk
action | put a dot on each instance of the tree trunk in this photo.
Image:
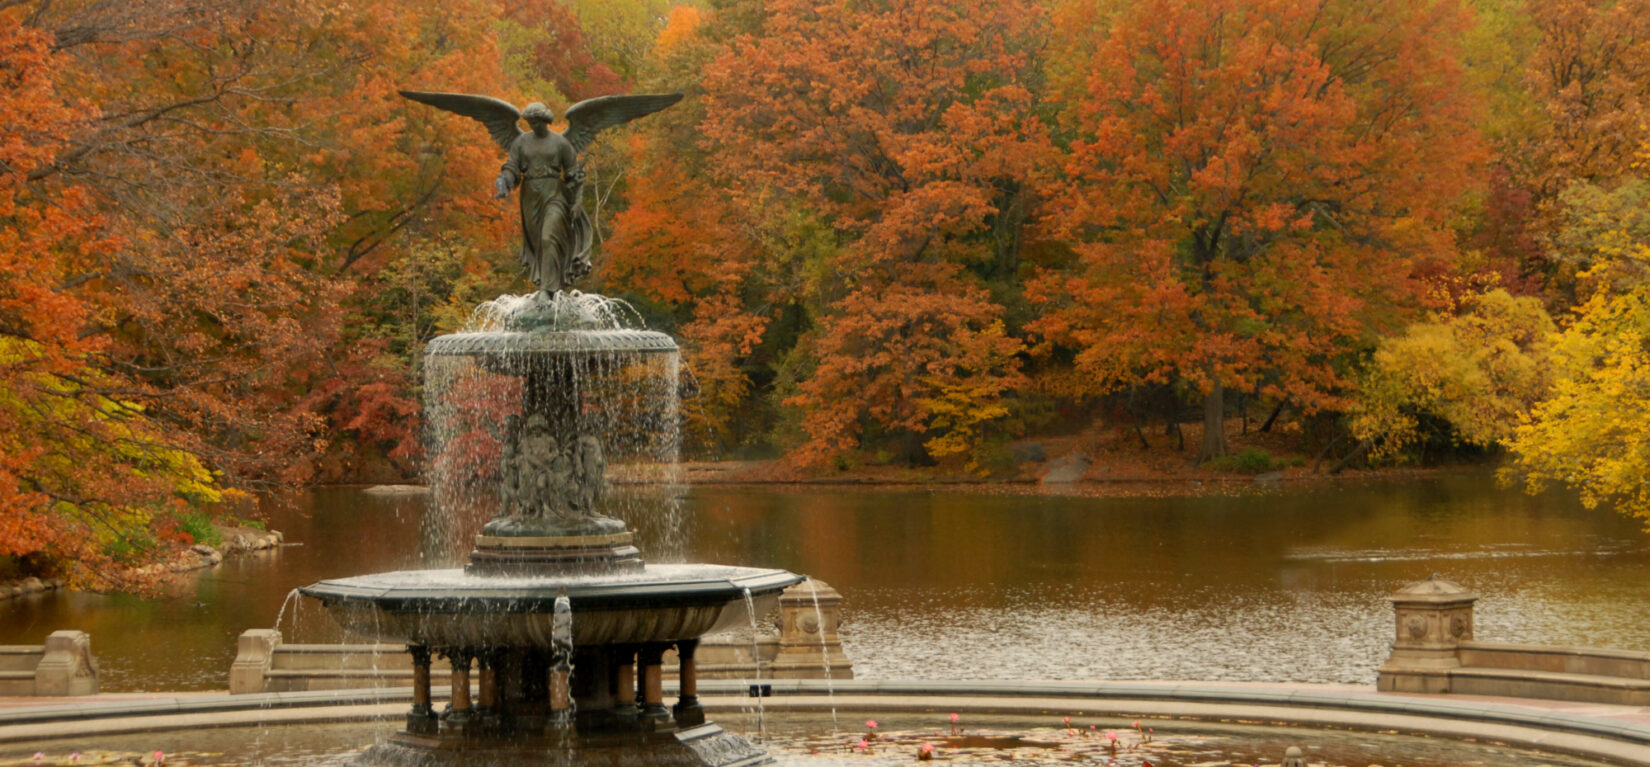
(1277, 411)
(1214, 422)
(1352, 457)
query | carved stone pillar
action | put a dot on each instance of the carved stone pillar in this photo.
(652, 658)
(624, 682)
(809, 647)
(687, 709)
(421, 719)
(487, 692)
(1433, 617)
(460, 711)
(561, 688)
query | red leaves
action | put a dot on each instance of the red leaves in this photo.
(908, 126)
(1255, 184)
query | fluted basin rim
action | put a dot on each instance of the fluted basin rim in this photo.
(454, 591)
(575, 341)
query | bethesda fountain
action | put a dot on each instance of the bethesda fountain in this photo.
(556, 621)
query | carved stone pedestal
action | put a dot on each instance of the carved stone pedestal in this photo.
(534, 555)
(1433, 617)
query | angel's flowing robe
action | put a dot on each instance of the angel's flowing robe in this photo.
(555, 231)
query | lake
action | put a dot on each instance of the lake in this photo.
(1287, 585)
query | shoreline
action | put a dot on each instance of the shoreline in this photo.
(772, 474)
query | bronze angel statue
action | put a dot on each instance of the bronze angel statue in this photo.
(555, 231)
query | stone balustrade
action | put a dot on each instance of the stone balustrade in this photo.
(806, 647)
(264, 663)
(62, 667)
(1434, 651)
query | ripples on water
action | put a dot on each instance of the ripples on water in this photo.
(1324, 638)
(809, 741)
(1285, 587)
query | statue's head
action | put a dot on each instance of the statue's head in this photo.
(538, 112)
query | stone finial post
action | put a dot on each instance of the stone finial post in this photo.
(809, 647)
(254, 652)
(67, 668)
(1433, 617)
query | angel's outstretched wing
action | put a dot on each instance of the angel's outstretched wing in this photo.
(499, 116)
(587, 118)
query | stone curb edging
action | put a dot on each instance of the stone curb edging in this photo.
(1595, 737)
(201, 704)
(1387, 703)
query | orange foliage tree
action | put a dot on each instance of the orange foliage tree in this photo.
(86, 464)
(195, 194)
(909, 128)
(1253, 187)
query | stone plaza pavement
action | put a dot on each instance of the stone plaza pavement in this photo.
(1612, 733)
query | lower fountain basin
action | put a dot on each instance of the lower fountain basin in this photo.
(661, 603)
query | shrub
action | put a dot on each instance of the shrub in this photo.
(199, 526)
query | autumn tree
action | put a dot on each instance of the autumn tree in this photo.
(86, 469)
(1472, 374)
(1590, 72)
(912, 142)
(198, 191)
(1253, 189)
(1567, 82)
(545, 44)
(1591, 432)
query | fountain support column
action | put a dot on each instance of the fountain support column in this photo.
(459, 715)
(687, 710)
(422, 718)
(561, 691)
(652, 659)
(624, 682)
(487, 692)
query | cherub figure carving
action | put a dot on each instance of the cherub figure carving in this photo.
(547, 166)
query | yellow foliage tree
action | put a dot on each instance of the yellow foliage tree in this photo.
(1479, 370)
(1593, 432)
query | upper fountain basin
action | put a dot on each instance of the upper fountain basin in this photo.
(552, 342)
(662, 603)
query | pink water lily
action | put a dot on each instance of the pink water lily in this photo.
(39, 756)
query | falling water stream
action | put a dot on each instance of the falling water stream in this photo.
(756, 658)
(824, 653)
(293, 599)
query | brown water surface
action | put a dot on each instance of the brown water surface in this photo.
(1287, 586)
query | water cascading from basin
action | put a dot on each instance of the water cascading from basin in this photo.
(532, 403)
(533, 414)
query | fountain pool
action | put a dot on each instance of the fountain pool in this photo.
(807, 740)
